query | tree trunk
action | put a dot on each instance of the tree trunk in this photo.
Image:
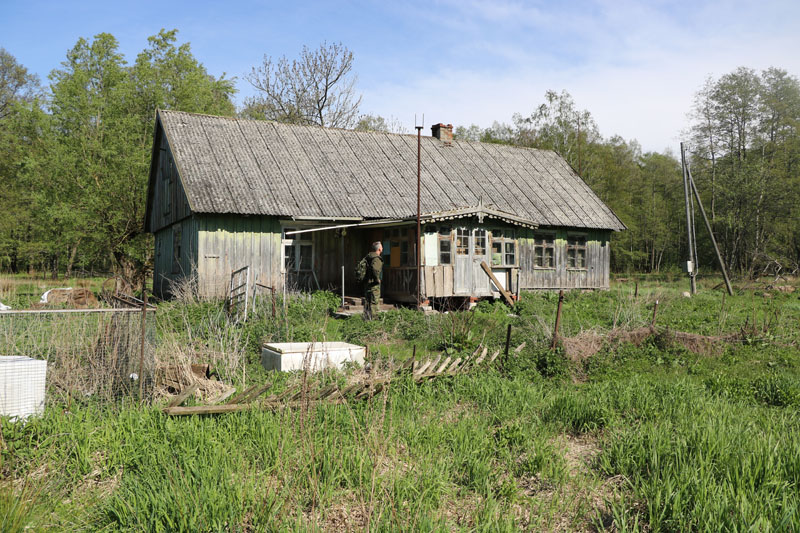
(72, 254)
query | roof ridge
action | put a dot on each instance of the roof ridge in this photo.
(288, 125)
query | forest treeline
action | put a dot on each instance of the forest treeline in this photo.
(75, 155)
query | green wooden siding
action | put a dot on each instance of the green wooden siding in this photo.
(594, 276)
(230, 242)
(164, 275)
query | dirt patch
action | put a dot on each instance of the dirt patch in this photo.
(579, 452)
(460, 508)
(576, 504)
(97, 483)
(346, 514)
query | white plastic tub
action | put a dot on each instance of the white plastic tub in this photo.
(315, 356)
(22, 386)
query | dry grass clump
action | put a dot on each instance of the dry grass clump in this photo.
(588, 343)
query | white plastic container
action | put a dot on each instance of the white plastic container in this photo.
(315, 356)
(22, 386)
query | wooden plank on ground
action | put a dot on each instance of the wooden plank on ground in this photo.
(423, 367)
(225, 395)
(443, 366)
(324, 392)
(180, 398)
(205, 409)
(239, 397)
(256, 393)
(453, 366)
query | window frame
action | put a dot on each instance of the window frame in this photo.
(576, 247)
(445, 238)
(480, 235)
(400, 238)
(543, 247)
(462, 246)
(504, 237)
(296, 243)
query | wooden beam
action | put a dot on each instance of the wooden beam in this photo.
(180, 398)
(505, 294)
(206, 409)
(256, 393)
(242, 395)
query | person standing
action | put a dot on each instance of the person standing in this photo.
(372, 281)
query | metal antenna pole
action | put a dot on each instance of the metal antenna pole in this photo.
(688, 221)
(711, 234)
(419, 210)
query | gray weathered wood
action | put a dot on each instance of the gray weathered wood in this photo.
(183, 396)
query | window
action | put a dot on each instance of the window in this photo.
(480, 242)
(544, 251)
(576, 252)
(445, 245)
(504, 247)
(497, 252)
(176, 249)
(298, 251)
(400, 246)
(462, 241)
(511, 253)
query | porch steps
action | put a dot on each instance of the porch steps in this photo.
(355, 306)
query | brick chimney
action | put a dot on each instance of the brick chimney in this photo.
(443, 132)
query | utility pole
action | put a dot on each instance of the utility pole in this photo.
(419, 209)
(711, 234)
(691, 264)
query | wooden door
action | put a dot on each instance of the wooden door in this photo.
(479, 253)
(462, 266)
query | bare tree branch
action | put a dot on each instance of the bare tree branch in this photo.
(317, 88)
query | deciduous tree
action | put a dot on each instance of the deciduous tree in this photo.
(317, 88)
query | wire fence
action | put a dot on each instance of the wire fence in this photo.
(105, 354)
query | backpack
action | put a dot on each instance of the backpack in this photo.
(361, 269)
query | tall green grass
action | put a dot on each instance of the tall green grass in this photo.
(652, 437)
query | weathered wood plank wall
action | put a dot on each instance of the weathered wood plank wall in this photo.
(178, 205)
(594, 276)
(164, 275)
(229, 242)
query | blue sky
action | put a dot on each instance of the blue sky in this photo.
(634, 65)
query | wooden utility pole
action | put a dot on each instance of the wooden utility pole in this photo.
(419, 212)
(691, 265)
(711, 234)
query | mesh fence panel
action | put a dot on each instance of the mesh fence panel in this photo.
(95, 353)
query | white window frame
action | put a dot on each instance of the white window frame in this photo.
(297, 241)
(498, 235)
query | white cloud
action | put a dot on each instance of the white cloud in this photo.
(634, 66)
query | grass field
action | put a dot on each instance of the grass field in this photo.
(654, 437)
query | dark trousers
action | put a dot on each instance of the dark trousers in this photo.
(372, 296)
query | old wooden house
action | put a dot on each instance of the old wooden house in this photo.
(300, 205)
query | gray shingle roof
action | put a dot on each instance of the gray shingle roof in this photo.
(231, 165)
